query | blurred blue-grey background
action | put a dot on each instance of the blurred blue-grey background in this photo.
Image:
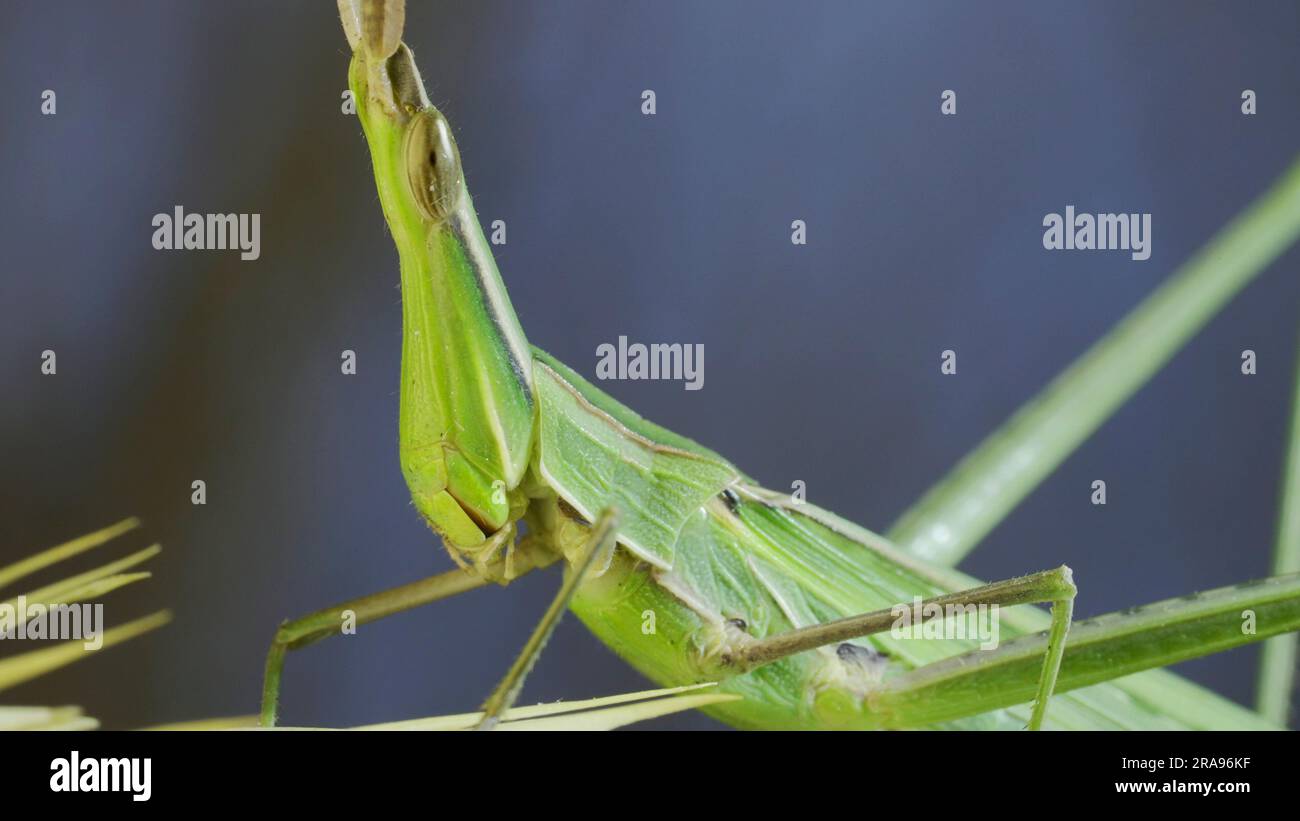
(924, 233)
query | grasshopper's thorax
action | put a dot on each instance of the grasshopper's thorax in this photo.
(467, 414)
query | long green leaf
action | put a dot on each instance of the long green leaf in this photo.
(984, 487)
(1277, 663)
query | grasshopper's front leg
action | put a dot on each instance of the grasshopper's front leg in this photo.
(309, 629)
(600, 541)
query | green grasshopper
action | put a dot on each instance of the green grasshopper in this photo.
(676, 559)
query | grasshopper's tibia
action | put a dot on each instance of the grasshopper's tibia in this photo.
(1050, 586)
(599, 542)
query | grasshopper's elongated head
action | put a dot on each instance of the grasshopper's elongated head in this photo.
(467, 407)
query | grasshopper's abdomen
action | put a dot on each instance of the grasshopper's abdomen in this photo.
(677, 627)
(743, 570)
(697, 570)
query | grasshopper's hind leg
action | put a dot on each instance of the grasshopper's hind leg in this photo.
(1054, 586)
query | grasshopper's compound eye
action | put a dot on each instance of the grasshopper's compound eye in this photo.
(433, 164)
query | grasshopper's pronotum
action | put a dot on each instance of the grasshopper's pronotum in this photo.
(785, 604)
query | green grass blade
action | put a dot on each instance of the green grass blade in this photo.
(1098, 650)
(29, 665)
(1278, 661)
(605, 713)
(465, 721)
(67, 550)
(90, 584)
(612, 718)
(44, 718)
(991, 480)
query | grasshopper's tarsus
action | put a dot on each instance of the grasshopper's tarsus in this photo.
(1057, 588)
